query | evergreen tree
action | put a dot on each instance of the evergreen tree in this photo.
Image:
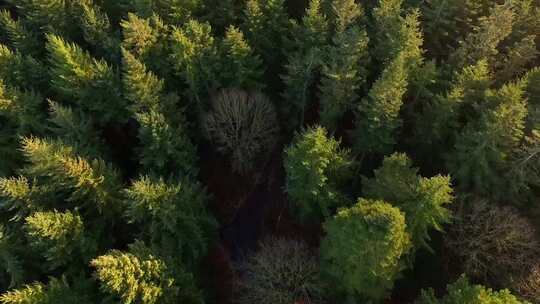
(361, 252)
(92, 84)
(484, 147)
(60, 238)
(266, 24)
(165, 147)
(17, 35)
(195, 55)
(462, 291)
(56, 291)
(85, 182)
(316, 169)
(241, 68)
(380, 110)
(482, 43)
(342, 75)
(140, 277)
(422, 199)
(173, 215)
(309, 41)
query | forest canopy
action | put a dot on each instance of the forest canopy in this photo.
(269, 151)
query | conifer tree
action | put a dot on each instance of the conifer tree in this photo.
(17, 35)
(423, 200)
(147, 40)
(309, 41)
(195, 55)
(440, 120)
(173, 215)
(10, 261)
(60, 238)
(342, 75)
(165, 147)
(462, 291)
(484, 147)
(97, 30)
(266, 24)
(22, 71)
(139, 276)
(316, 169)
(92, 84)
(88, 182)
(56, 291)
(482, 43)
(380, 110)
(361, 252)
(241, 68)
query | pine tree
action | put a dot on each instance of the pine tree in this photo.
(195, 53)
(18, 36)
(316, 169)
(97, 30)
(266, 24)
(92, 84)
(484, 147)
(22, 71)
(88, 182)
(240, 68)
(462, 291)
(140, 277)
(482, 43)
(379, 111)
(422, 200)
(309, 40)
(361, 252)
(165, 147)
(398, 48)
(342, 75)
(442, 118)
(56, 291)
(173, 215)
(60, 238)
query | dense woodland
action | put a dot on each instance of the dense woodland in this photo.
(269, 151)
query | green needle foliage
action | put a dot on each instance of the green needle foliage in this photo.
(316, 168)
(140, 277)
(423, 200)
(174, 217)
(124, 125)
(361, 252)
(462, 291)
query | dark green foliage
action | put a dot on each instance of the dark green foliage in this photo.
(88, 83)
(117, 116)
(266, 24)
(241, 68)
(176, 224)
(316, 168)
(362, 250)
(309, 41)
(422, 199)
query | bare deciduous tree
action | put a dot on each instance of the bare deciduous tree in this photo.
(243, 125)
(495, 244)
(281, 272)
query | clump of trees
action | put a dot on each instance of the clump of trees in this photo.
(408, 128)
